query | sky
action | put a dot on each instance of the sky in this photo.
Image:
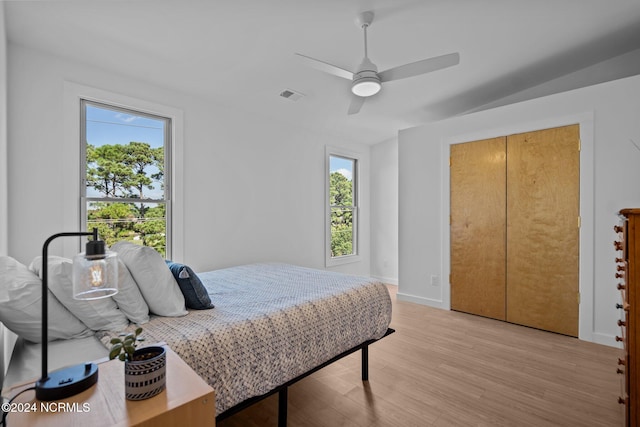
(105, 126)
(342, 165)
(114, 127)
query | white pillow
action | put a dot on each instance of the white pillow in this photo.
(129, 298)
(99, 314)
(156, 283)
(21, 306)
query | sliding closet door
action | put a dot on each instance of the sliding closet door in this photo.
(478, 227)
(542, 229)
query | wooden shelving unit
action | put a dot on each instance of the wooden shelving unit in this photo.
(628, 275)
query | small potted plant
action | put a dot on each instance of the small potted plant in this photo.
(144, 368)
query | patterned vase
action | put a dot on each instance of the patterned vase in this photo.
(147, 377)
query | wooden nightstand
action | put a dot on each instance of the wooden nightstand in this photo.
(187, 400)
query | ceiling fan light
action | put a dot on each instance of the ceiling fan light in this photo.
(366, 86)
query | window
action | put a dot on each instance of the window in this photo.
(342, 223)
(125, 175)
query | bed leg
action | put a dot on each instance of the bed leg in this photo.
(282, 407)
(365, 363)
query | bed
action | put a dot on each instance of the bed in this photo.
(272, 325)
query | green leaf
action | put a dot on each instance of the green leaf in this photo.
(115, 351)
(115, 340)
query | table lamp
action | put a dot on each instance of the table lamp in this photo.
(95, 275)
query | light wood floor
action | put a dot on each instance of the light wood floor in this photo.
(444, 368)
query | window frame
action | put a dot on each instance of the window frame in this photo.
(72, 93)
(331, 261)
(167, 172)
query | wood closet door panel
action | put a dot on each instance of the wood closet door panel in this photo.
(542, 229)
(478, 174)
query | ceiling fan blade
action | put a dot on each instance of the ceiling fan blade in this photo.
(326, 67)
(356, 104)
(420, 67)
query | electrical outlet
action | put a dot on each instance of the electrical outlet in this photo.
(435, 280)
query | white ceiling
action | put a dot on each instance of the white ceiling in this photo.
(240, 52)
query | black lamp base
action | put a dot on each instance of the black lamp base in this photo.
(67, 382)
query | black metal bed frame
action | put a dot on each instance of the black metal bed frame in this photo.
(282, 390)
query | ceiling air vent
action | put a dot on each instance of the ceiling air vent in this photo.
(291, 94)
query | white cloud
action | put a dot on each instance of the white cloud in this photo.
(345, 172)
(127, 118)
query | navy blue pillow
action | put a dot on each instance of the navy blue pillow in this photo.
(195, 294)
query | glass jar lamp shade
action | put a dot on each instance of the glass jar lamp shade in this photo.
(95, 275)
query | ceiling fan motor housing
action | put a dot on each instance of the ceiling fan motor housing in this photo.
(365, 80)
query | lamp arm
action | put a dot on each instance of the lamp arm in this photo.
(45, 288)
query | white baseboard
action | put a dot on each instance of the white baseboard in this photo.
(421, 300)
(387, 280)
(605, 339)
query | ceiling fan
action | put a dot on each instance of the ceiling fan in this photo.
(366, 80)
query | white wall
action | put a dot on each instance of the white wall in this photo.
(384, 211)
(253, 187)
(7, 338)
(3, 135)
(609, 117)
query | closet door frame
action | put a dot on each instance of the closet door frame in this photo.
(587, 236)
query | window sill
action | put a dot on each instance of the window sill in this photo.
(346, 259)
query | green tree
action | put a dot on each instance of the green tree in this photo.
(139, 157)
(124, 170)
(119, 171)
(113, 220)
(152, 228)
(340, 190)
(107, 170)
(341, 200)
